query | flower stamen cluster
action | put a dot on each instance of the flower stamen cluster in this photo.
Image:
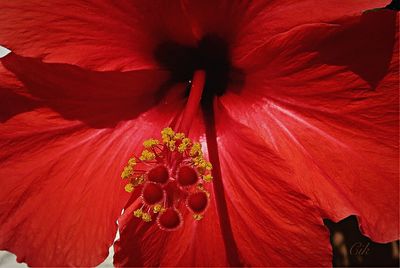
(171, 174)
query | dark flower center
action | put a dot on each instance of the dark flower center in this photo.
(211, 55)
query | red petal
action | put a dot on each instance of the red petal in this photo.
(196, 243)
(100, 99)
(63, 192)
(330, 106)
(63, 186)
(12, 100)
(100, 35)
(264, 21)
(250, 25)
(269, 217)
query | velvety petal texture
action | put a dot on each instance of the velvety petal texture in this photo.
(61, 191)
(249, 25)
(310, 133)
(270, 219)
(101, 35)
(329, 103)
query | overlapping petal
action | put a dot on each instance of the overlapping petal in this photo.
(270, 218)
(249, 25)
(101, 35)
(331, 111)
(99, 99)
(61, 191)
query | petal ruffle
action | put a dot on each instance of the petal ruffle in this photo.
(100, 35)
(332, 113)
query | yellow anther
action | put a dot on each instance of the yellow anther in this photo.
(179, 136)
(167, 134)
(147, 155)
(128, 171)
(200, 186)
(207, 178)
(167, 131)
(201, 162)
(150, 143)
(146, 217)
(208, 166)
(184, 145)
(129, 187)
(138, 180)
(157, 208)
(132, 162)
(186, 141)
(196, 150)
(138, 213)
(197, 217)
(197, 160)
(171, 145)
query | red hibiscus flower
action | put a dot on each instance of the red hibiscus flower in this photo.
(298, 116)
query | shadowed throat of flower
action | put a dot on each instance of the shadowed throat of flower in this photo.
(172, 173)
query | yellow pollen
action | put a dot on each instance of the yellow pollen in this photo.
(157, 208)
(132, 162)
(150, 143)
(138, 180)
(184, 145)
(172, 149)
(128, 171)
(138, 213)
(200, 186)
(208, 166)
(171, 145)
(179, 136)
(129, 187)
(167, 134)
(147, 155)
(197, 217)
(196, 150)
(146, 217)
(207, 178)
(201, 164)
